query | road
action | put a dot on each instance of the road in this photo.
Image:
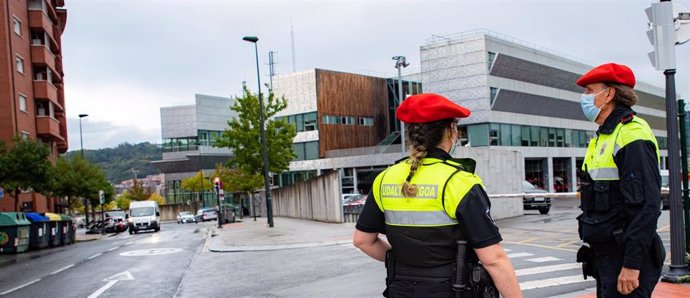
(541, 247)
(144, 265)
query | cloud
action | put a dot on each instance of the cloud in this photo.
(102, 134)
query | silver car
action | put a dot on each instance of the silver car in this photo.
(185, 217)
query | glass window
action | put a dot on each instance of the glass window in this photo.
(560, 135)
(493, 134)
(17, 26)
(291, 119)
(478, 135)
(299, 120)
(490, 59)
(525, 135)
(462, 135)
(505, 135)
(515, 136)
(543, 137)
(298, 148)
(493, 92)
(22, 103)
(534, 140)
(310, 122)
(311, 150)
(552, 137)
(20, 64)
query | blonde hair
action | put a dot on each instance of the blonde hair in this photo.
(421, 137)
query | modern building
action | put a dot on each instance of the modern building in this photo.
(524, 97)
(32, 97)
(189, 133)
(524, 102)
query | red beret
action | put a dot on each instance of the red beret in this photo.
(429, 107)
(609, 72)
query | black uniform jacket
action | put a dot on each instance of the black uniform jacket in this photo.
(434, 246)
(639, 189)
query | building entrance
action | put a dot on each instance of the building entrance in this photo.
(536, 172)
(561, 174)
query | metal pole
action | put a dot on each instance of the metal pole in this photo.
(81, 139)
(220, 226)
(678, 266)
(85, 201)
(264, 153)
(400, 98)
(684, 160)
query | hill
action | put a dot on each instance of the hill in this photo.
(120, 163)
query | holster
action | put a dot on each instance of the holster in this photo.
(481, 282)
(586, 256)
(390, 270)
(657, 251)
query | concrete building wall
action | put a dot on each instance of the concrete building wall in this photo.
(213, 112)
(299, 89)
(179, 121)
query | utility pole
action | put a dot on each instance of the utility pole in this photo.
(401, 62)
(271, 67)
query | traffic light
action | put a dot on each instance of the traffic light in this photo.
(662, 35)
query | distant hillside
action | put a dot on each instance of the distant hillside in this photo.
(118, 162)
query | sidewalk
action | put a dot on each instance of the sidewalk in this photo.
(662, 290)
(287, 233)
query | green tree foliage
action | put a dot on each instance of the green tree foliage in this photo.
(77, 178)
(118, 162)
(25, 166)
(137, 192)
(158, 198)
(243, 137)
(197, 183)
(122, 202)
(237, 180)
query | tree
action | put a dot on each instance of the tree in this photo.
(137, 192)
(122, 202)
(158, 198)
(25, 167)
(243, 137)
(78, 178)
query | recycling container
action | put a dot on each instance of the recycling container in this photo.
(54, 228)
(39, 236)
(68, 229)
(14, 232)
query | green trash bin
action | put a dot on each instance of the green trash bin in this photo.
(14, 232)
(68, 229)
(54, 229)
(39, 235)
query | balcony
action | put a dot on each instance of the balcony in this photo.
(41, 55)
(39, 20)
(45, 90)
(48, 128)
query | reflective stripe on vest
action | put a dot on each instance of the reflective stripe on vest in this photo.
(599, 160)
(429, 207)
(419, 218)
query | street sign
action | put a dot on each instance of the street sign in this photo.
(101, 196)
(222, 195)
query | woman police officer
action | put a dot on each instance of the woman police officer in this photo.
(428, 201)
(620, 196)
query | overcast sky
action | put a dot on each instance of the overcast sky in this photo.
(124, 59)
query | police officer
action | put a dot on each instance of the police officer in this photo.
(428, 201)
(620, 196)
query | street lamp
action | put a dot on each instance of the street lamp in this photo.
(81, 139)
(85, 201)
(264, 154)
(401, 62)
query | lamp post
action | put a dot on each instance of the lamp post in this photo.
(401, 62)
(81, 141)
(264, 154)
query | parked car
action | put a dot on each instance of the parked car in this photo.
(346, 197)
(354, 204)
(205, 214)
(185, 217)
(665, 201)
(542, 204)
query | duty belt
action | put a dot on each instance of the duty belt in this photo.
(403, 271)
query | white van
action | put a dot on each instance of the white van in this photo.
(143, 215)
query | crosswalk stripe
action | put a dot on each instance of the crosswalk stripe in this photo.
(520, 255)
(544, 259)
(545, 269)
(551, 282)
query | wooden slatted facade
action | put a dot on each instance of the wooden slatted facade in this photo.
(345, 94)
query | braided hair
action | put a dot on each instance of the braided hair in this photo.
(420, 138)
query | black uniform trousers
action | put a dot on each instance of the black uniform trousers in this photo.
(609, 267)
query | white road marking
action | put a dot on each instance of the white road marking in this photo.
(545, 269)
(103, 289)
(552, 282)
(544, 259)
(129, 243)
(62, 269)
(507, 249)
(114, 248)
(19, 287)
(150, 252)
(95, 256)
(519, 255)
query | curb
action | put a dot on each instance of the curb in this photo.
(216, 246)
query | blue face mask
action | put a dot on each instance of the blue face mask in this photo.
(590, 110)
